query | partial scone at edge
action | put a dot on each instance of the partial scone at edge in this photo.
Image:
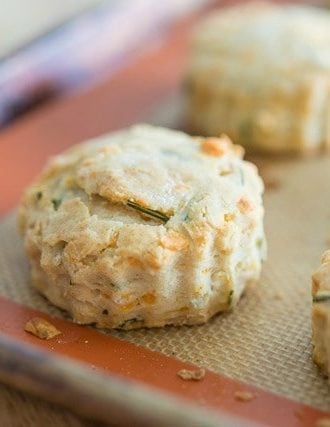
(145, 227)
(321, 314)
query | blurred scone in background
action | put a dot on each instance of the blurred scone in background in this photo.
(260, 72)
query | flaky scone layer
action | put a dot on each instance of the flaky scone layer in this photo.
(145, 227)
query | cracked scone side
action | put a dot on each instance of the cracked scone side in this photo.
(145, 227)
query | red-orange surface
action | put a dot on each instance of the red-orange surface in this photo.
(153, 368)
(24, 148)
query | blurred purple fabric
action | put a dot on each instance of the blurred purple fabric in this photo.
(83, 50)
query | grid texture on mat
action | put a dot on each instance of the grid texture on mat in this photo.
(266, 341)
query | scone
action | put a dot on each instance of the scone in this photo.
(145, 227)
(321, 314)
(261, 74)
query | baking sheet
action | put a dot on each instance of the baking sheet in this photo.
(266, 340)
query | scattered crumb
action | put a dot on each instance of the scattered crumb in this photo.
(41, 328)
(86, 342)
(267, 173)
(323, 422)
(301, 292)
(271, 183)
(195, 375)
(244, 396)
(257, 297)
(278, 296)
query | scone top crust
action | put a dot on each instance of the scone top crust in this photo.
(286, 37)
(131, 225)
(154, 168)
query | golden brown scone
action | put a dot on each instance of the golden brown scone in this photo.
(261, 74)
(145, 227)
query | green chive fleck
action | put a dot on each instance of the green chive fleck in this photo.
(56, 203)
(147, 211)
(39, 195)
(230, 298)
(321, 298)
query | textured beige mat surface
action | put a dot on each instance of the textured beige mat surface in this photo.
(266, 341)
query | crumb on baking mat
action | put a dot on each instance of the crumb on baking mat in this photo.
(323, 422)
(278, 296)
(190, 374)
(271, 183)
(244, 396)
(41, 328)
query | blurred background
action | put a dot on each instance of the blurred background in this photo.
(23, 21)
(50, 48)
